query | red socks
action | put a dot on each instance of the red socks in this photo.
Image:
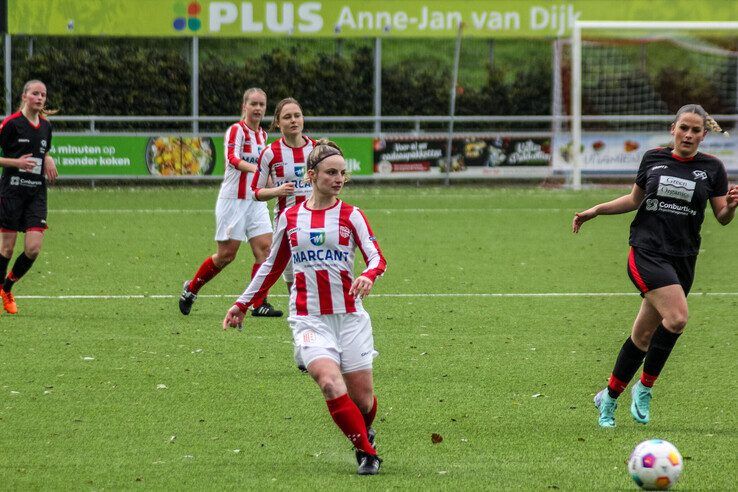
(349, 419)
(207, 271)
(647, 380)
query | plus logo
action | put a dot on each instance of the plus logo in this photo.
(187, 17)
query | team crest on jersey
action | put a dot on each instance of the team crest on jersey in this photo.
(344, 231)
(317, 238)
(299, 171)
(699, 174)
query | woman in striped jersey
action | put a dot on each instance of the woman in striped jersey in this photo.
(238, 217)
(284, 162)
(331, 329)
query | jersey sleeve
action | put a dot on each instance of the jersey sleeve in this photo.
(5, 135)
(720, 181)
(368, 245)
(270, 270)
(233, 145)
(642, 175)
(263, 167)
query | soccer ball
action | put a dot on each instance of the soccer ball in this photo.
(655, 464)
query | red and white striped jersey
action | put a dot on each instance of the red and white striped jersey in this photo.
(321, 245)
(241, 143)
(284, 164)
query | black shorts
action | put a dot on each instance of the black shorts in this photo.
(648, 270)
(22, 212)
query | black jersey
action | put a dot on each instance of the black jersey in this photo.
(19, 137)
(670, 217)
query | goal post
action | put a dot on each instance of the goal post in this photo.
(649, 106)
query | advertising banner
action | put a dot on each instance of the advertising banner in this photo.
(349, 18)
(621, 153)
(169, 155)
(470, 156)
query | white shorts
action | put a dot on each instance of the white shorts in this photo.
(241, 219)
(288, 275)
(344, 338)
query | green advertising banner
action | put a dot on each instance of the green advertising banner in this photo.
(170, 155)
(350, 18)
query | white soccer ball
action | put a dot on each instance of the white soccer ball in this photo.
(655, 464)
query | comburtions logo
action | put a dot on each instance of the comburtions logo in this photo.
(187, 17)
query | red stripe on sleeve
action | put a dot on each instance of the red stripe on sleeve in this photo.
(635, 273)
(301, 297)
(233, 159)
(325, 298)
(347, 299)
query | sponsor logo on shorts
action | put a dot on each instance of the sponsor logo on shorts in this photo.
(317, 237)
(364, 354)
(677, 188)
(344, 231)
(699, 174)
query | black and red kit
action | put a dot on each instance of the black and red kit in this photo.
(23, 204)
(665, 233)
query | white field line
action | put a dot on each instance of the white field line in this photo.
(417, 296)
(370, 210)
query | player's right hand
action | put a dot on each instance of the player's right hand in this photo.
(580, 218)
(286, 189)
(233, 318)
(26, 162)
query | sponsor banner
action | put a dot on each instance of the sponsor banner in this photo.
(622, 152)
(478, 156)
(168, 155)
(349, 18)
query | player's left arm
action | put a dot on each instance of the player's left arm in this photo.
(376, 265)
(724, 206)
(50, 168)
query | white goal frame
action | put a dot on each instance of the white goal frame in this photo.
(576, 71)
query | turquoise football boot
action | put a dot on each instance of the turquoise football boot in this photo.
(606, 405)
(640, 406)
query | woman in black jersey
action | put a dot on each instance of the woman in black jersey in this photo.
(25, 140)
(671, 191)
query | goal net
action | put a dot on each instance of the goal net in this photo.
(622, 82)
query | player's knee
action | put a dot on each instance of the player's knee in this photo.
(221, 260)
(32, 252)
(677, 321)
(332, 387)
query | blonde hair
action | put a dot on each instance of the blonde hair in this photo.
(44, 111)
(278, 110)
(247, 94)
(708, 121)
(322, 149)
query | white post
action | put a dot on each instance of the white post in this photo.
(452, 108)
(576, 106)
(377, 85)
(195, 84)
(8, 77)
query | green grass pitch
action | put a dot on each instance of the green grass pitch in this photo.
(122, 392)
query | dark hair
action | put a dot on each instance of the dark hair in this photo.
(709, 123)
(323, 149)
(278, 110)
